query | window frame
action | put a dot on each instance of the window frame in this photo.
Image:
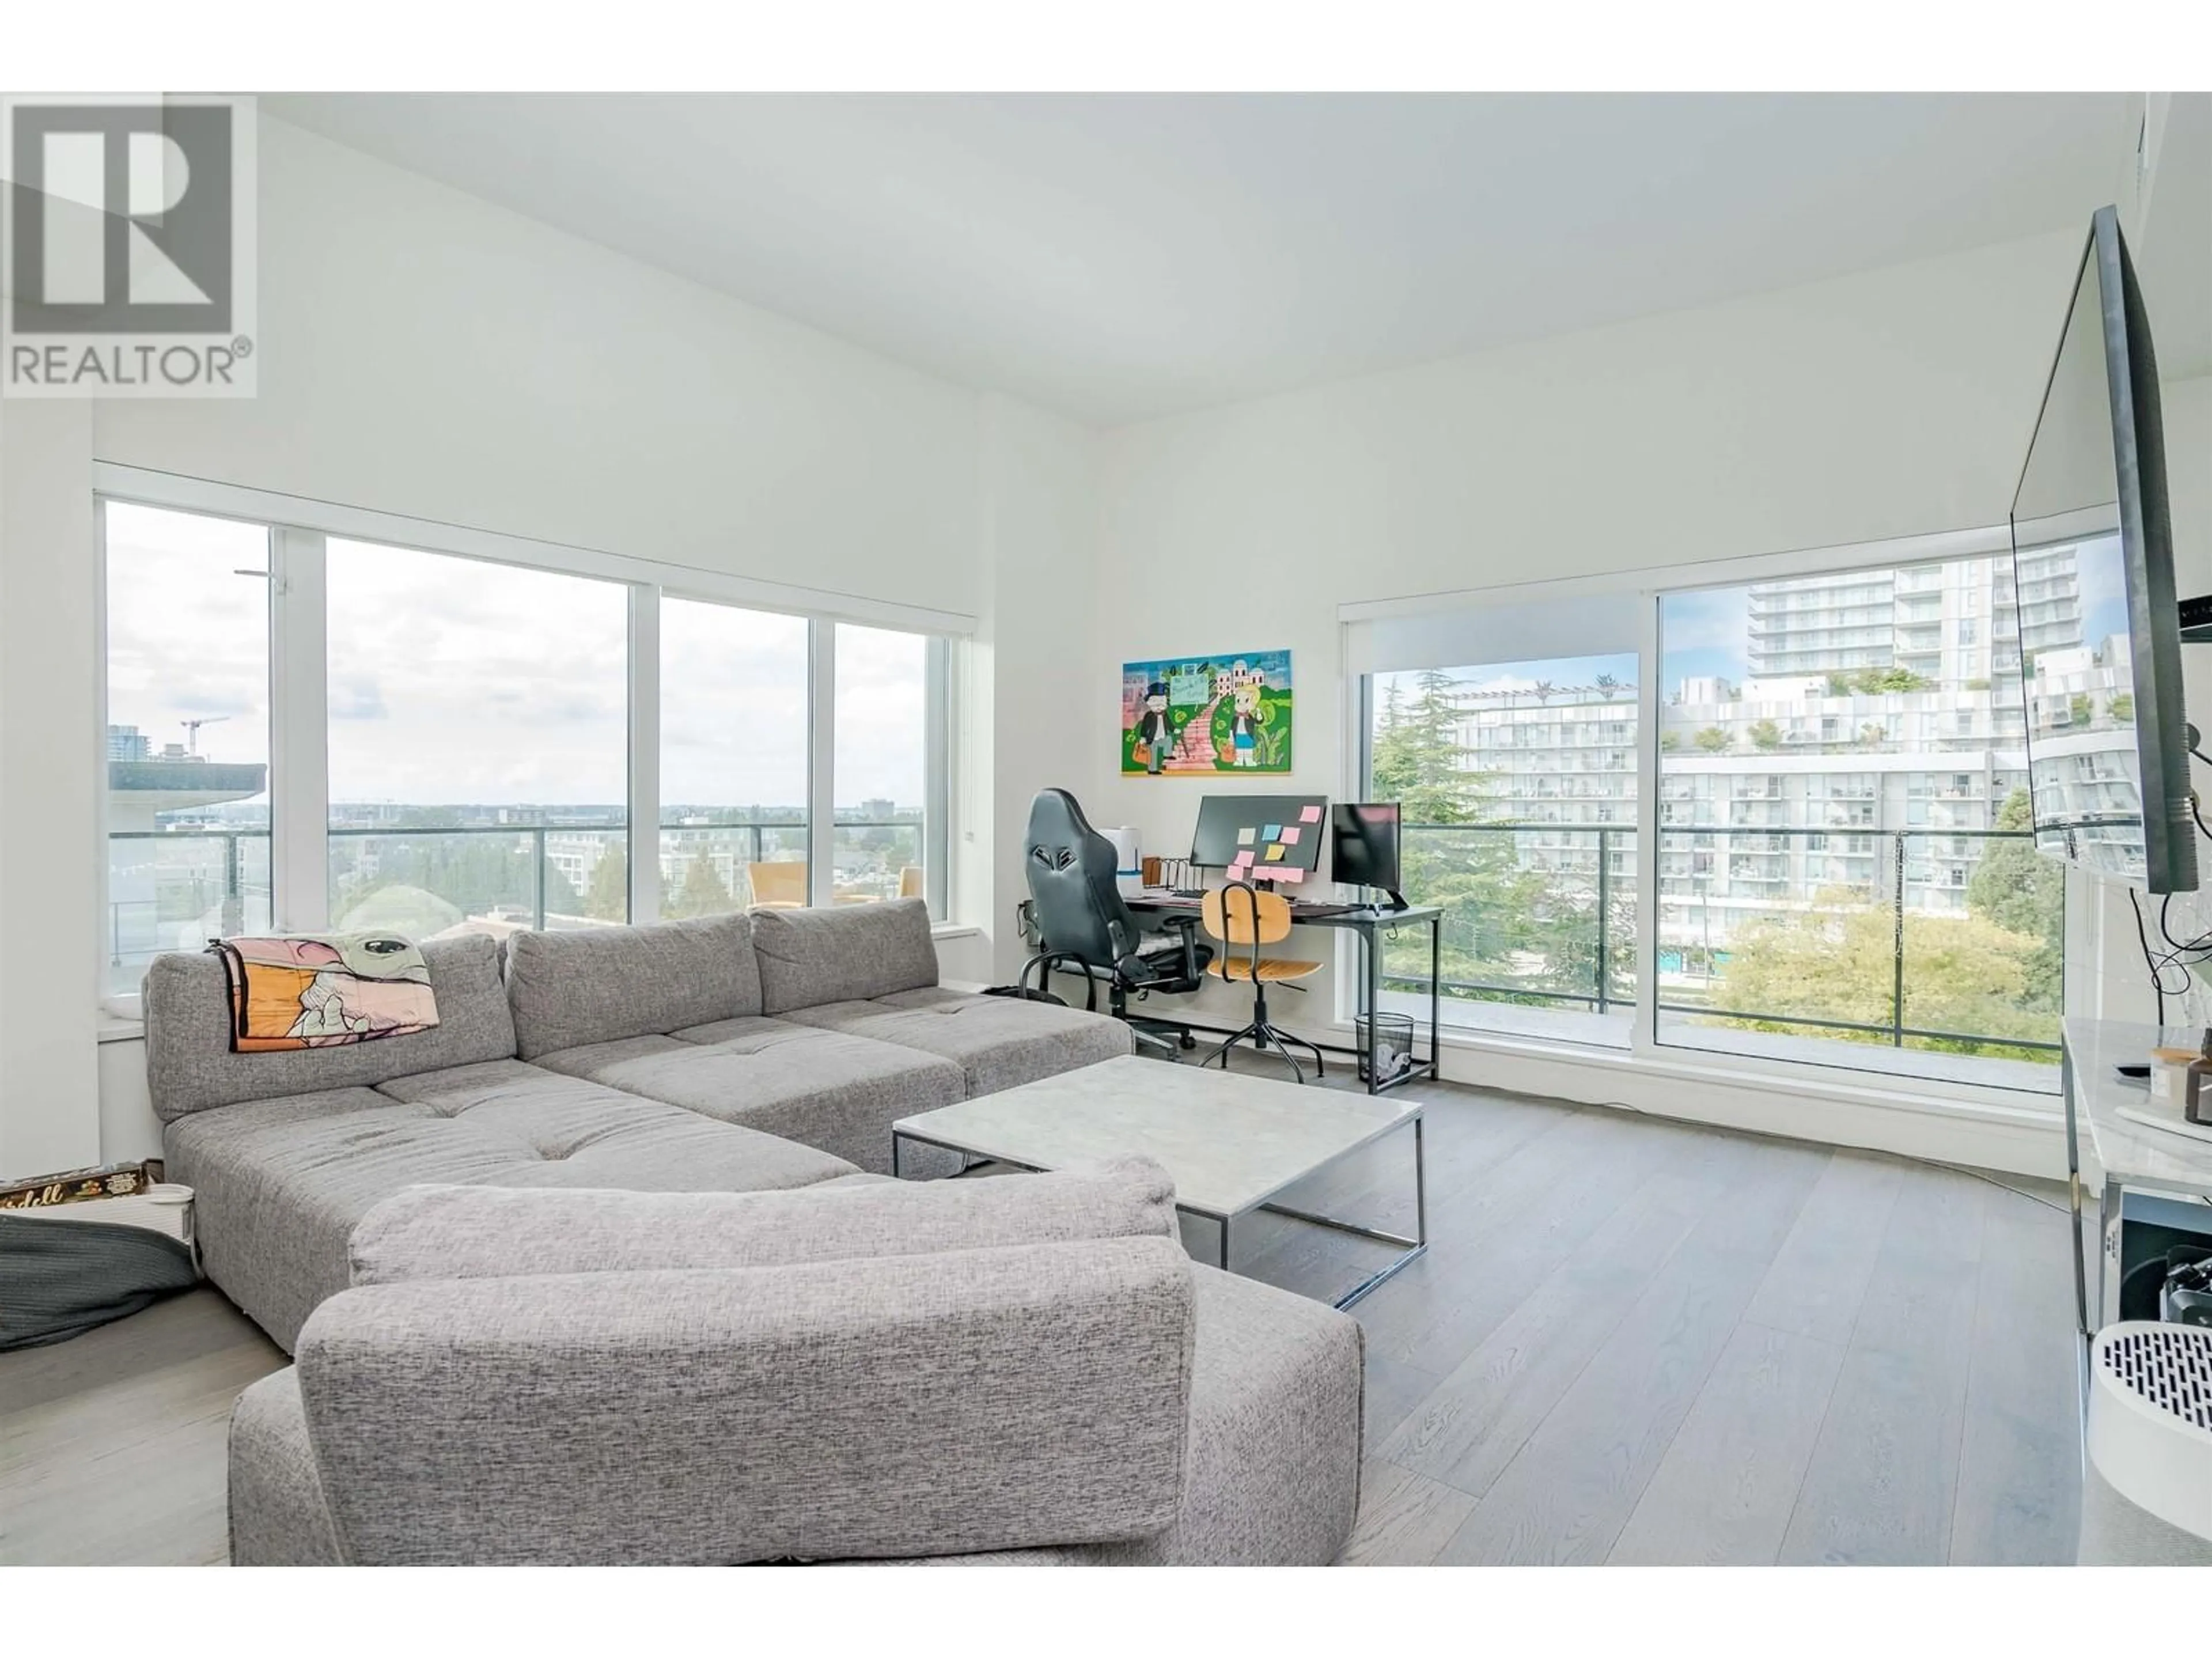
(299, 786)
(1646, 1053)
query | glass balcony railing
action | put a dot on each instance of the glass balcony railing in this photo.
(175, 889)
(1944, 947)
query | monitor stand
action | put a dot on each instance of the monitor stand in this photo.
(1397, 899)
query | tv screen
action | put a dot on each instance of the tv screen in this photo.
(2092, 572)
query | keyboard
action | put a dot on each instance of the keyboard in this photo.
(1316, 909)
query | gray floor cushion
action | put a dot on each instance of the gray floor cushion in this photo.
(282, 1183)
(998, 1043)
(825, 1088)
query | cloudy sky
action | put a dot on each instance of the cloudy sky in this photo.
(454, 681)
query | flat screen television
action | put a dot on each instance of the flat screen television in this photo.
(2093, 574)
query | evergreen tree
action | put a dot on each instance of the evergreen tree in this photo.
(2021, 891)
(701, 892)
(609, 897)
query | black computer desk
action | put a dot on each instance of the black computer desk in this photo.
(1367, 924)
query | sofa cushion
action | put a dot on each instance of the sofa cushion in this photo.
(600, 984)
(190, 1066)
(982, 1400)
(1271, 1474)
(281, 1183)
(844, 953)
(479, 1232)
(824, 1088)
(998, 1042)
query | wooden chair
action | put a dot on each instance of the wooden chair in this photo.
(1244, 919)
(779, 885)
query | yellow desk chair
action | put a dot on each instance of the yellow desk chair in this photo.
(1244, 918)
(779, 885)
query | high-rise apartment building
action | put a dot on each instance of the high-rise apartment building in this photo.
(1797, 779)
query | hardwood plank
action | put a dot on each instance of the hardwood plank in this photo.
(2019, 1459)
(1723, 1493)
(1546, 1201)
(1479, 1416)
(1394, 1390)
(1404, 1520)
(1880, 1486)
(1820, 1276)
(1566, 1496)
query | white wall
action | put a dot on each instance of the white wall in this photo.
(1893, 403)
(425, 354)
(48, 876)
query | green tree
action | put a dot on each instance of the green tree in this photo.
(1714, 741)
(1417, 759)
(1965, 975)
(608, 899)
(2018, 889)
(2122, 709)
(2079, 707)
(1877, 682)
(701, 892)
(1766, 734)
(1669, 741)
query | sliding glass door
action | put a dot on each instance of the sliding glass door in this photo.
(1832, 865)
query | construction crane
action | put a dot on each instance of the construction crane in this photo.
(193, 730)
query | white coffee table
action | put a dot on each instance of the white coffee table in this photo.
(1231, 1144)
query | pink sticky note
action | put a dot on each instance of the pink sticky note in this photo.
(1285, 872)
(1290, 835)
(1241, 859)
(1310, 815)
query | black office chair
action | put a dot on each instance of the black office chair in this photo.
(1084, 928)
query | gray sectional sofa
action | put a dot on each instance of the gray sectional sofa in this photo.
(731, 1053)
(1019, 1372)
(625, 1209)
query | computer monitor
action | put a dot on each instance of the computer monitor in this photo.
(1364, 846)
(1273, 838)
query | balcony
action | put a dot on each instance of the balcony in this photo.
(1846, 959)
(174, 890)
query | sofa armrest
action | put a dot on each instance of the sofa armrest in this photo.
(979, 1399)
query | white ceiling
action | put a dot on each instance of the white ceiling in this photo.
(1122, 257)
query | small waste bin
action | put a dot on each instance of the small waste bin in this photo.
(1393, 1046)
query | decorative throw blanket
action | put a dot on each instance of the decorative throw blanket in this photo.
(318, 990)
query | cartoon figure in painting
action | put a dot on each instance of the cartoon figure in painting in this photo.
(1244, 723)
(1154, 735)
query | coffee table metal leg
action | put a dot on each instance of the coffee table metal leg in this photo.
(1225, 1244)
(1414, 1248)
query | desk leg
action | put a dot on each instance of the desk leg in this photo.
(1437, 999)
(1370, 944)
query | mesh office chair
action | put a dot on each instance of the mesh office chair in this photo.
(1241, 916)
(1084, 928)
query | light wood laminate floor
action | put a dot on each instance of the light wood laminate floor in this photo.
(1631, 1340)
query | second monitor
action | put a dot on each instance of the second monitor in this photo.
(1262, 837)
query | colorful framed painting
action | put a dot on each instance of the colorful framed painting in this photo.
(1192, 716)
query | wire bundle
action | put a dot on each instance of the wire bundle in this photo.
(2181, 956)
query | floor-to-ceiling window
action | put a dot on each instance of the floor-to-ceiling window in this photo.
(890, 725)
(1829, 859)
(186, 766)
(1516, 782)
(1845, 868)
(734, 758)
(477, 745)
(448, 732)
